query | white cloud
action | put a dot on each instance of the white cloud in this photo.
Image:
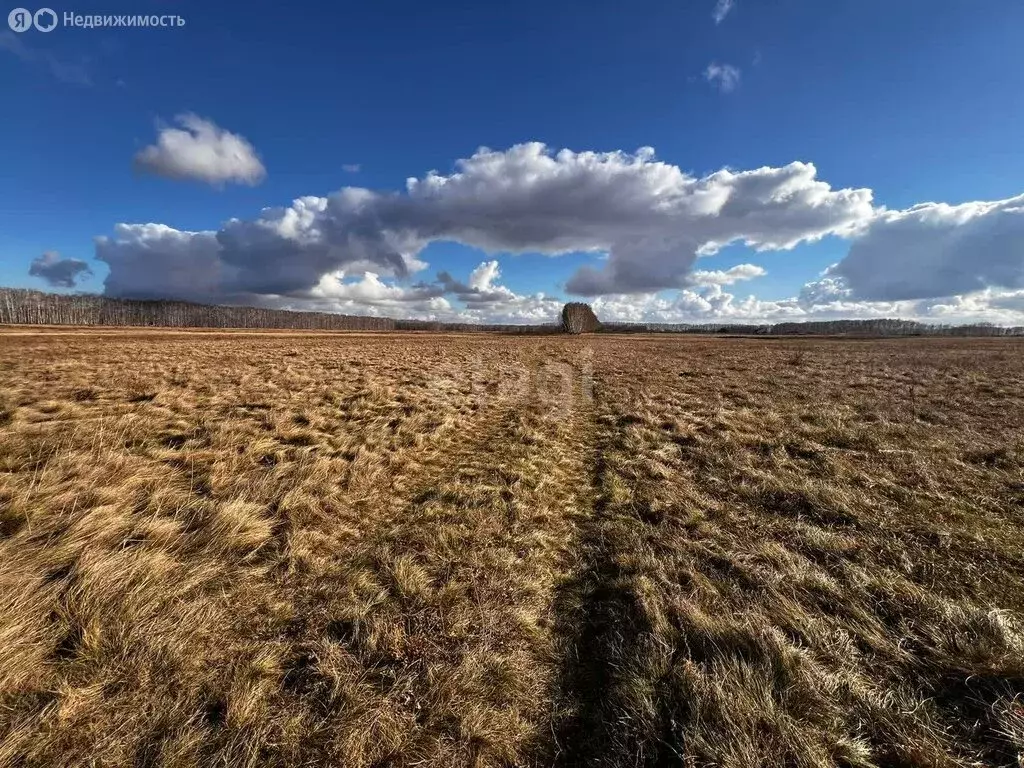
(351, 167)
(989, 305)
(369, 289)
(722, 9)
(437, 308)
(824, 291)
(487, 301)
(708, 303)
(289, 249)
(725, 77)
(647, 220)
(336, 293)
(767, 209)
(201, 151)
(711, 304)
(157, 261)
(1012, 301)
(728, 276)
(284, 251)
(484, 300)
(481, 288)
(189, 267)
(483, 277)
(935, 249)
(58, 272)
(648, 216)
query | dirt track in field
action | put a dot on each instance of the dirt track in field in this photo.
(416, 549)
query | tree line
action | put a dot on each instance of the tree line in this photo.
(437, 326)
(19, 306)
(24, 307)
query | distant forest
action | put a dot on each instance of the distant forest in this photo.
(24, 307)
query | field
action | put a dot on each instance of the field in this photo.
(289, 549)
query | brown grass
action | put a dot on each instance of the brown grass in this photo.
(383, 550)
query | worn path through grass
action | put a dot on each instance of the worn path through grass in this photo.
(423, 550)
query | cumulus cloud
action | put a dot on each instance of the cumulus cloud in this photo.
(767, 209)
(727, 276)
(201, 151)
(338, 293)
(935, 250)
(1012, 301)
(646, 221)
(481, 287)
(823, 291)
(154, 261)
(722, 9)
(487, 301)
(990, 305)
(650, 217)
(712, 304)
(700, 304)
(58, 272)
(282, 251)
(483, 299)
(725, 77)
(191, 266)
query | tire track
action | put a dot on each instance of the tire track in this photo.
(607, 709)
(432, 636)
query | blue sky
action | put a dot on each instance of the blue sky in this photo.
(916, 101)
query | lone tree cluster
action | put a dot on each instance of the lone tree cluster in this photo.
(578, 317)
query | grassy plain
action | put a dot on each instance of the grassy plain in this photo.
(441, 550)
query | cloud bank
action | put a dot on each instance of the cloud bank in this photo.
(650, 217)
(713, 304)
(646, 222)
(934, 249)
(484, 299)
(201, 151)
(58, 272)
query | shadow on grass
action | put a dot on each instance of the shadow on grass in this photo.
(643, 686)
(608, 710)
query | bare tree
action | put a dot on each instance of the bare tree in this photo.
(578, 317)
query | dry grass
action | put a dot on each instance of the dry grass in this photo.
(383, 550)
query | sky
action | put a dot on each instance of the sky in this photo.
(687, 161)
